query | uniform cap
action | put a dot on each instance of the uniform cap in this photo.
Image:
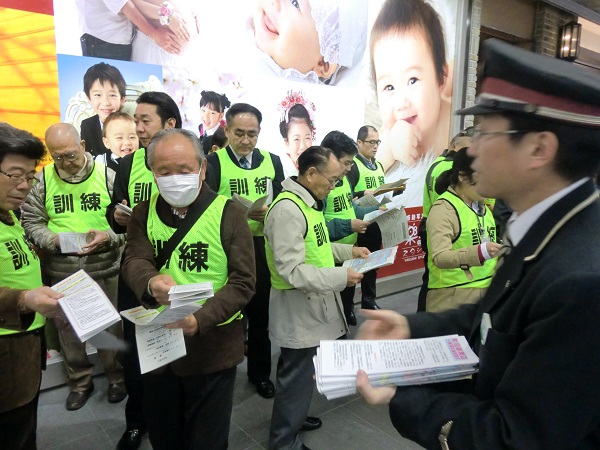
(523, 82)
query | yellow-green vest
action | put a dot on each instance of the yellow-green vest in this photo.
(339, 206)
(368, 179)
(247, 183)
(19, 266)
(200, 256)
(317, 247)
(469, 235)
(141, 180)
(77, 207)
(438, 166)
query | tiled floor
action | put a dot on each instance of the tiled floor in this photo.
(348, 423)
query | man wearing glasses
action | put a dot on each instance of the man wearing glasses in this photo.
(247, 171)
(368, 172)
(72, 196)
(343, 215)
(24, 303)
(367, 175)
(536, 328)
(305, 303)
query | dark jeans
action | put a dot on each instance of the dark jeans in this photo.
(92, 46)
(191, 412)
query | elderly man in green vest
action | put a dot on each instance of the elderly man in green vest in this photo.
(186, 233)
(24, 303)
(134, 183)
(72, 196)
(305, 302)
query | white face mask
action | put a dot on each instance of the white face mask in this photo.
(179, 191)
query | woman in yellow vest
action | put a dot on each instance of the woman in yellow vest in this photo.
(461, 238)
(24, 303)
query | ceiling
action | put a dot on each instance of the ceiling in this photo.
(588, 9)
(593, 5)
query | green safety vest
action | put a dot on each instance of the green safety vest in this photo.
(439, 165)
(339, 206)
(77, 207)
(19, 266)
(470, 234)
(247, 183)
(199, 257)
(368, 179)
(141, 180)
(317, 247)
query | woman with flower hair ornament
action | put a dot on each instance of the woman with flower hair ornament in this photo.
(296, 127)
(315, 41)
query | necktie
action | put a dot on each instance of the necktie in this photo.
(244, 163)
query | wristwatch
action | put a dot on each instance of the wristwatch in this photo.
(443, 436)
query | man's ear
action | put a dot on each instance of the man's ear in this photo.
(324, 69)
(545, 147)
(83, 145)
(203, 170)
(170, 123)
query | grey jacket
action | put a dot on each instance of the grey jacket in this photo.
(301, 317)
(99, 265)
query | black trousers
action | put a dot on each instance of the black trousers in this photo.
(257, 311)
(134, 408)
(191, 412)
(372, 240)
(18, 427)
(92, 46)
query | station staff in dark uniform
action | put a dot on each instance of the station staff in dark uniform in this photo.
(536, 329)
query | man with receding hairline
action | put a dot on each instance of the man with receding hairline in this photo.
(72, 196)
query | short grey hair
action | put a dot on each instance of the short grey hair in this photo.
(168, 133)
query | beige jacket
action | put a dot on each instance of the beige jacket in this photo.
(301, 317)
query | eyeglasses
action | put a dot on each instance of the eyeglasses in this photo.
(68, 157)
(348, 164)
(477, 134)
(331, 183)
(18, 179)
(373, 143)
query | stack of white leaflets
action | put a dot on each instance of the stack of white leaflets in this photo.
(86, 306)
(158, 346)
(185, 299)
(395, 362)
